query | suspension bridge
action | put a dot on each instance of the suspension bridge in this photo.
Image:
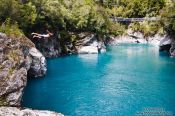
(120, 19)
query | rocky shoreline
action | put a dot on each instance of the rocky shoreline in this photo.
(164, 42)
(13, 111)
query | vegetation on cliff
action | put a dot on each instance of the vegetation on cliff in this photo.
(65, 16)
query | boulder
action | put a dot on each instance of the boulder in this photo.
(13, 111)
(38, 65)
(88, 50)
(165, 44)
(155, 40)
(138, 37)
(172, 49)
(129, 39)
(137, 34)
(167, 40)
(90, 44)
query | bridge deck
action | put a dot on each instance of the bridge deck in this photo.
(119, 19)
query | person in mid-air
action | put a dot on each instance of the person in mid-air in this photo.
(47, 35)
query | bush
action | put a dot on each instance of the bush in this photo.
(11, 29)
(148, 28)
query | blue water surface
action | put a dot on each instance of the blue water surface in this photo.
(125, 81)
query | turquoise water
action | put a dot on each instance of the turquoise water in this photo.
(124, 81)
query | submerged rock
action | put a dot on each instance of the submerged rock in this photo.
(13, 111)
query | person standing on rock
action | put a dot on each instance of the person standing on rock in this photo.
(47, 35)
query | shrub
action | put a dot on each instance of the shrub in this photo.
(11, 29)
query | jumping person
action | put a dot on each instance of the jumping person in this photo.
(47, 35)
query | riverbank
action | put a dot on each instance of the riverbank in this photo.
(165, 42)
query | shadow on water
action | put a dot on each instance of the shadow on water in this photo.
(164, 54)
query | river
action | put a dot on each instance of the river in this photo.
(127, 80)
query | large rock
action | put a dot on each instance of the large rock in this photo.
(13, 111)
(88, 50)
(17, 56)
(172, 49)
(130, 37)
(38, 64)
(91, 44)
(167, 40)
(165, 43)
(138, 37)
(155, 40)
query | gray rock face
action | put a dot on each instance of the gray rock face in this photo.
(91, 45)
(165, 43)
(138, 37)
(167, 40)
(130, 37)
(38, 65)
(49, 47)
(127, 39)
(88, 50)
(15, 61)
(172, 49)
(13, 111)
(56, 46)
(155, 40)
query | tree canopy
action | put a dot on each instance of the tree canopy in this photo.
(79, 15)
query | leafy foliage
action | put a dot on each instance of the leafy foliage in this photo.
(148, 28)
(11, 29)
(168, 18)
(82, 15)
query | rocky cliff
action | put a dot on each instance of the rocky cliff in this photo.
(71, 43)
(18, 58)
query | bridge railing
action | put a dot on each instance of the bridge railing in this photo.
(120, 19)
